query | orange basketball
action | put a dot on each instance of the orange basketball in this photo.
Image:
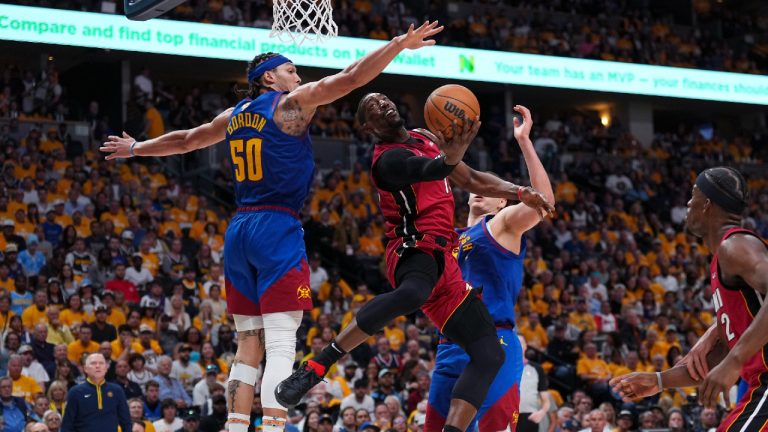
(447, 103)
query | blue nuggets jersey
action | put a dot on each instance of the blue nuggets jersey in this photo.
(485, 263)
(269, 167)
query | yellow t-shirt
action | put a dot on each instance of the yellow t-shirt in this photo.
(396, 337)
(32, 316)
(536, 337)
(116, 317)
(157, 126)
(27, 388)
(325, 290)
(76, 349)
(153, 345)
(595, 366)
(71, 318)
(5, 320)
(583, 321)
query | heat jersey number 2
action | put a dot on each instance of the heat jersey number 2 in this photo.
(247, 159)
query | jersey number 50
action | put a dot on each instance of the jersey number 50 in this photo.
(248, 165)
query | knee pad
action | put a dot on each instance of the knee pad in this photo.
(280, 340)
(244, 373)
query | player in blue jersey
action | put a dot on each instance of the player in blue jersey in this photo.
(490, 254)
(266, 272)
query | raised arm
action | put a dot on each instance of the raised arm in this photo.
(361, 72)
(172, 143)
(486, 184)
(518, 219)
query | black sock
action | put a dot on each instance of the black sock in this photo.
(330, 354)
(449, 428)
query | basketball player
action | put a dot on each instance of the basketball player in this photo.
(739, 271)
(266, 272)
(411, 174)
(490, 255)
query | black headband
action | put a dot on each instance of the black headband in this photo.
(718, 196)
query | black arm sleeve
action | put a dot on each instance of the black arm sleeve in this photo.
(398, 168)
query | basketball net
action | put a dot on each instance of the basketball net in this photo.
(297, 21)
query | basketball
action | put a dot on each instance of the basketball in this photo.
(447, 103)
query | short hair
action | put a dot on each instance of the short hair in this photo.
(167, 402)
(135, 399)
(151, 383)
(729, 181)
(360, 114)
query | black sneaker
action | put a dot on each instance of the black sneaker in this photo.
(290, 391)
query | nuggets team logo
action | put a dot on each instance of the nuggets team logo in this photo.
(515, 416)
(501, 341)
(303, 293)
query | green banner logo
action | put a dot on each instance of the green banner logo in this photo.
(466, 64)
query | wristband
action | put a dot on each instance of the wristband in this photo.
(130, 149)
(658, 378)
(520, 193)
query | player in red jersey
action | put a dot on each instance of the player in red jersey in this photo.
(410, 170)
(738, 343)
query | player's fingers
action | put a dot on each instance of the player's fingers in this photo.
(440, 138)
(704, 396)
(429, 42)
(693, 369)
(727, 398)
(458, 129)
(436, 30)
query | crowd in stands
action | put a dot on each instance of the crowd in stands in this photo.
(125, 259)
(722, 39)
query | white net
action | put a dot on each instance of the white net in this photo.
(297, 21)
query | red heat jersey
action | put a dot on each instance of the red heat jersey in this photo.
(736, 308)
(421, 208)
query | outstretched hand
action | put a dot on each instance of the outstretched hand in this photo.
(462, 136)
(635, 385)
(536, 200)
(523, 130)
(417, 38)
(117, 147)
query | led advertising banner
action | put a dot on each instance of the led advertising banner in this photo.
(83, 29)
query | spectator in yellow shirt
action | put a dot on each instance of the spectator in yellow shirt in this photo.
(37, 312)
(594, 371)
(146, 341)
(581, 318)
(5, 311)
(23, 386)
(82, 345)
(58, 332)
(534, 333)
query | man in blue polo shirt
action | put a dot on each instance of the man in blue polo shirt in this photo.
(96, 405)
(12, 409)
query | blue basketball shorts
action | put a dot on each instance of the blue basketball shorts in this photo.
(265, 263)
(501, 405)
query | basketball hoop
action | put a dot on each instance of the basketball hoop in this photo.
(297, 21)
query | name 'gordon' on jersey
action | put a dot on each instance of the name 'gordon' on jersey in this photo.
(270, 167)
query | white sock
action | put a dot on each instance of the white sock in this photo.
(237, 422)
(272, 424)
